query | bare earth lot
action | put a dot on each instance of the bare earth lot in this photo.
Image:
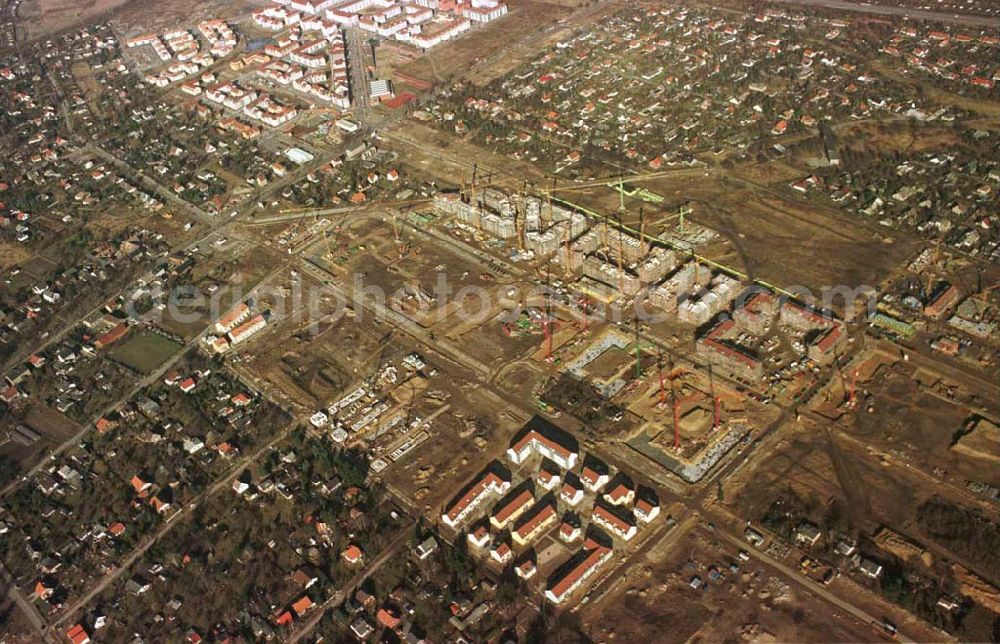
(656, 603)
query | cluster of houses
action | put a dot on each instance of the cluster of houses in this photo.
(60, 187)
(422, 23)
(657, 85)
(46, 297)
(848, 556)
(96, 176)
(70, 541)
(554, 500)
(397, 612)
(310, 58)
(182, 46)
(64, 372)
(948, 195)
(67, 374)
(308, 539)
(955, 55)
(257, 105)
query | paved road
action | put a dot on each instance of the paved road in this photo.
(889, 10)
(140, 550)
(694, 503)
(379, 311)
(143, 382)
(215, 487)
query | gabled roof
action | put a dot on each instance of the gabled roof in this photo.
(301, 605)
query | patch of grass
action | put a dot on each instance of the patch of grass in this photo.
(145, 351)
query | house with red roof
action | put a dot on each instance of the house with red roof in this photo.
(593, 480)
(614, 523)
(140, 486)
(77, 634)
(479, 536)
(501, 552)
(548, 480)
(562, 586)
(570, 493)
(509, 510)
(568, 532)
(533, 526)
(160, 505)
(44, 588)
(526, 569)
(388, 616)
(534, 441)
(352, 554)
(302, 605)
(112, 336)
(9, 395)
(241, 399)
(646, 510)
(488, 485)
(620, 495)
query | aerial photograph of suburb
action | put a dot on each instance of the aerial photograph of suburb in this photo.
(499, 321)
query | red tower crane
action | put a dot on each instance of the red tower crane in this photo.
(659, 371)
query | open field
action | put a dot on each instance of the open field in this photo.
(488, 343)
(921, 416)
(46, 16)
(310, 362)
(473, 432)
(449, 160)
(454, 59)
(145, 351)
(12, 255)
(812, 475)
(656, 600)
(761, 229)
(752, 218)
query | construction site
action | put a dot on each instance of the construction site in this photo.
(512, 321)
(630, 330)
(625, 334)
